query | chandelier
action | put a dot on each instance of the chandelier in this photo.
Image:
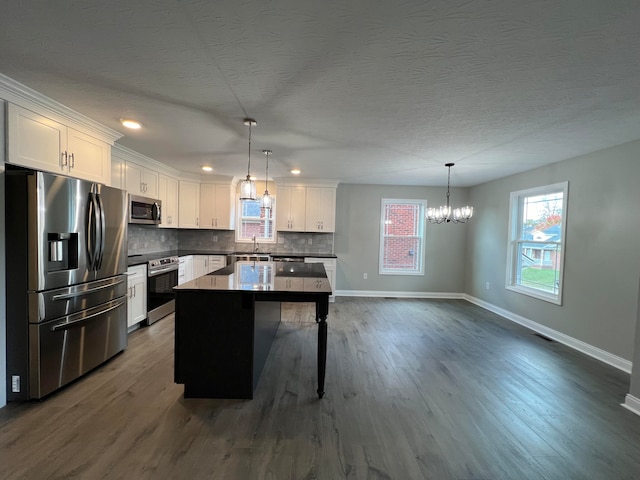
(248, 186)
(267, 200)
(444, 213)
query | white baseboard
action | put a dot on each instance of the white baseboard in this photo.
(394, 294)
(595, 352)
(632, 403)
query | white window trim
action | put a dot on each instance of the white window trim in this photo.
(515, 220)
(421, 247)
(260, 241)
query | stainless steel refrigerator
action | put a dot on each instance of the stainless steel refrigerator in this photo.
(66, 256)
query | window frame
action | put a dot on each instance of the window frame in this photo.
(421, 236)
(239, 218)
(516, 212)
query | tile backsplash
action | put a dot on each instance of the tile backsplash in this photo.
(148, 239)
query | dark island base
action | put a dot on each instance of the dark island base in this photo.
(223, 339)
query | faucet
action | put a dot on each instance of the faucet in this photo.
(255, 245)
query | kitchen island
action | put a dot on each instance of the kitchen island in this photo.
(226, 322)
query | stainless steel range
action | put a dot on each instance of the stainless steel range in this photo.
(162, 277)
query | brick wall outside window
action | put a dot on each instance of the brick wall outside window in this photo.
(402, 236)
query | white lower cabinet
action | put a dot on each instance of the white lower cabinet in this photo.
(185, 269)
(136, 294)
(203, 264)
(330, 268)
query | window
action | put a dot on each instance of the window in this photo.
(253, 220)
(537, 219)
(402, 237)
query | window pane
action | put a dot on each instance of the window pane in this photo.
(402, 236)
(255, 221)
(537, 236)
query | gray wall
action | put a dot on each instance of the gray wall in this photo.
(3, 309)
(635, 372)
(357, 241)
(602, 258)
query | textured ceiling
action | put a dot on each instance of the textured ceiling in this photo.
(374, 91)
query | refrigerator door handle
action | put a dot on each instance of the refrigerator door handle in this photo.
(73, 320)
(66, 296)
(100, 245)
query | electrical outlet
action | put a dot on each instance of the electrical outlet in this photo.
(310, 241)
(215, 238)
(487, 285)
(364, 276)
(15, 383)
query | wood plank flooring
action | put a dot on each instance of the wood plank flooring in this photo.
(433, 389)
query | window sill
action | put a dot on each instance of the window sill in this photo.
(530, 292)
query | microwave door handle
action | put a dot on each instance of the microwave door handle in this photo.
(90, 231)
(102, 228)
(73, 320)
(156, 212)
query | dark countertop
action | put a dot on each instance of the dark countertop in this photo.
(264, 277)
(147, 257)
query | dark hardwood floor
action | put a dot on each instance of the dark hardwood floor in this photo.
(416, 389)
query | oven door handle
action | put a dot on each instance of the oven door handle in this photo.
(162, 270)
(72, 320)
(66, 296)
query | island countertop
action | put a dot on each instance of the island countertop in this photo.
(264, 277)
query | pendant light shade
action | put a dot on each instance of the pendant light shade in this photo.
(267, 200)
(445, 213)
(248, 186)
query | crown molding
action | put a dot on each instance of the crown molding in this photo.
(25, 97)
(306, 182)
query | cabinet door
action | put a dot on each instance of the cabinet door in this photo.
(200, 265)
(168, 194)
(118, 173)
(136, 294)
(141, 181)
(207, 205)
(188, 204)
(88, 157)
(35, 141)
(290, 211)
(216, 262)
(330, 268)
(320, 209)
(224, 207)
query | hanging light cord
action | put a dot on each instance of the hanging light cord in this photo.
(448, 183)
(249, 165)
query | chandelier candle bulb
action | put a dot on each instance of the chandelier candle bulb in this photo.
(444, 213)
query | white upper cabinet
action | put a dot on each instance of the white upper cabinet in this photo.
(290, 209)
(41, 143)
(188, 204)
(118, 172)
(320, 211)
(141, 180)
(217, 206)
(168, 195)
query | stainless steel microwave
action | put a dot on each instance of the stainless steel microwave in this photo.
(144, 210)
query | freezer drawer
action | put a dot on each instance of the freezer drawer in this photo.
(64, 349)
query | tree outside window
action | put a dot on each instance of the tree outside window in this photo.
(536, 243)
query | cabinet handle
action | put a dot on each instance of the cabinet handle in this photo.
(63, 159)
(197, 221)
(134, 290)
(72, 160)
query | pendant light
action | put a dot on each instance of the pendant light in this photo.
(248, 186)
(267, 200)
(444, 213)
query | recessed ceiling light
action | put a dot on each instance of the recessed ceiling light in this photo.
(253, 178)
(207, 168)
(132, 124)
(296, 171)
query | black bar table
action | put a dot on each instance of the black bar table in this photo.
(226, 322)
